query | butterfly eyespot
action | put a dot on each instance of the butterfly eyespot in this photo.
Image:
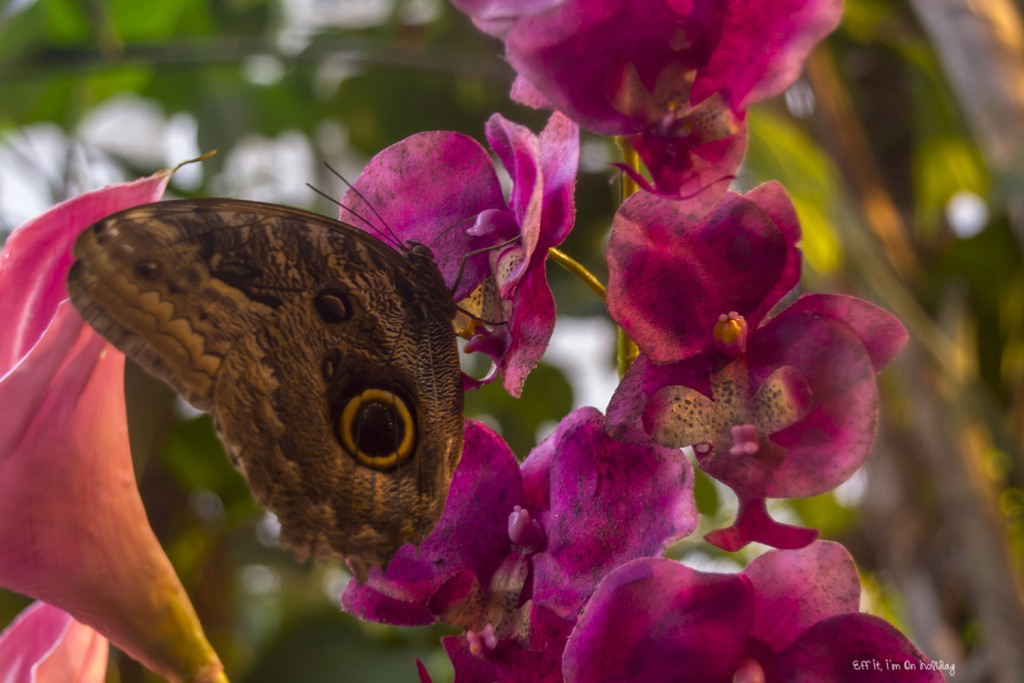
(376, 428)
(147, 269)
(333, 306)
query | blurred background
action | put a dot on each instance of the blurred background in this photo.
(902, 147)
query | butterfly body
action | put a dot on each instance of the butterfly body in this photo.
(327, 359)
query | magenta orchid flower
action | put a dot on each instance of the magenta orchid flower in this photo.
(440, 189)
(72, 525)
(774, 407)
(518, 551)
(46, 645)
(674, 76)
(792, 615)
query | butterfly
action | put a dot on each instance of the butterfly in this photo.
(327, 358)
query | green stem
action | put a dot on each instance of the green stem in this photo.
(627, 349)
(577, 269)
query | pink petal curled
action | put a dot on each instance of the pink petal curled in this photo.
(882, 335)
(46, 645)
(834, 438)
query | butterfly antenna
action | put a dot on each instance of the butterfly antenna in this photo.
(384, 236)
(468, 254)
(365, 201)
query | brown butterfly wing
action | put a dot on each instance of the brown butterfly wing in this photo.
(328, 359)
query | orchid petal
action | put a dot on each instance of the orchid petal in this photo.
(832, 649)
(762, 47)
(429, 189)
(795, 589)
(654, 619)
(675, 266)
(601, 502)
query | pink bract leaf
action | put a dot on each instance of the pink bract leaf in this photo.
(37, 256)
(45, 645)
(72, 524)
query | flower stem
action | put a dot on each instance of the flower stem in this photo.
(577, 269)
(631, 159)
(626, 353)
(627, 349)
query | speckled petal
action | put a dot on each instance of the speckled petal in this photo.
(601, 502)
(795, 589)
(679, 416)
(782, 400)
(654, 620)
(625, 418)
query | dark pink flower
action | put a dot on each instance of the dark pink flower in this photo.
(792, 615)
(675, 76)
(72, 525)
(440, 189)
(45, 645)
(517, 552)
(674, 266)
(777, 407)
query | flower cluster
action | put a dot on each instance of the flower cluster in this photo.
(552, 568)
